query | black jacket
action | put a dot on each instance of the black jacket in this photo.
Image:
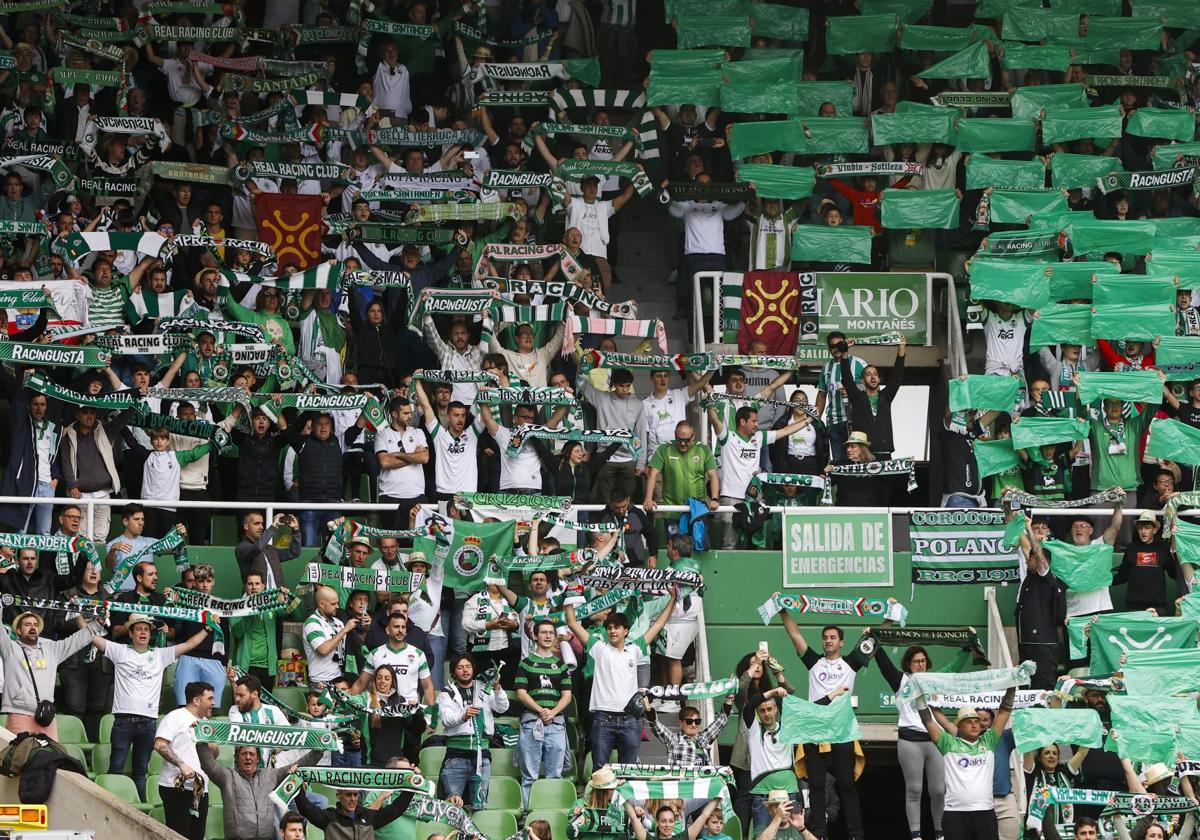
(1041, 609)
(41, 584)
(877, 426)
(318, 465)
(361, 826)
(20, 478)
(258, 467)
(1143, 568)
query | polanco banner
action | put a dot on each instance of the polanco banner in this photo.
(960, 546)
(858, 304)
(829, 548)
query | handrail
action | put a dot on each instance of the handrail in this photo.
(1000, 657)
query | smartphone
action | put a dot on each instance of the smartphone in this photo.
(762, 648)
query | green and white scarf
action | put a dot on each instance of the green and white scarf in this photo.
(994, 99)
(201, 429)
(474, 212)
(899, 466)
(973, 682)
(455, 377)
(25, 299)
(642, 580)
(585, 436)
(336, 172)
(398, 234)
(350, 778)
(1031, 501)
(595, 604)
(468, 501)
(172, 542)
(267, 602)
(755, 501)
(111, 402)
(546, 562)
(576, 170)
(60, 543)
(618, 133)
(46, 355)
(372, 580)
(327, 275)
(823, 605)
(1152, 180)
(266, 736)
(567, 291)
(842, 170)
(695, 691)
(59, 173)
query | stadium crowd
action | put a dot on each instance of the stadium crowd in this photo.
(366, 251)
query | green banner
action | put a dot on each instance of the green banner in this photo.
(1122, 33)
(919, 209)
(1015, 56)
(1069, 171)
(1040, 25)
(1017, 207)
(53, 355)
(1128, 386)
(861, 33)
(1178, 356)
(979, 135)
(995, 456)
(1073, 280)
(1083, 568)
(960, 547)
(1139, 308)
(1155, 179)
(849, 550)
(1158, 673)
(1174, 441)
(1032, 432)
(1137, 732)
(983, 171)
(988, 393)
(757, 138)
(932, 125)
(1034, 728)
(1166, 123)
(371, 580)
(1040, 243)
(692, 31)
(465, 558)
(1115, 634)
(1062, 323)
(968, 63)
(812, 95)
(1099, 236)
(1021, 284)
(773, 181)
(1028, 103)
(1061, 126)
(785, 23)
(815, 243)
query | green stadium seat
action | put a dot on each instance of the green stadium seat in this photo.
(214, 827)
(157, 813)
(424, 829)
(733, 827)
(557, 820)
(76, 752)
(106, 724)
(431, 760)
(100, 757)
(495, 823)
(504, 794)
(504, 764)
(71, 731)
(153, 797)
(123, 788)
(551, 794)
(585, 769)
(291, 696)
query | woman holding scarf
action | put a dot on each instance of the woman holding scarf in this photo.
(386, 733)
(1042, 769)
(757, 673)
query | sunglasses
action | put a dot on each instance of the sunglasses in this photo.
(689, 720)
(684, 441)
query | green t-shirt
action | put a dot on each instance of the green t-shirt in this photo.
(683, 472)
(1117, 469)
(256, 644)
(401, 828)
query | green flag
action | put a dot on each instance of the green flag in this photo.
(1115, 634)
(1118, 33)
(987, 393)
(983, 171)
(1062, 323)
(1069, 171)
(1022, 284)
(1061, 126)
(1189, 605)
(1178, 356)
(989, 9)
(693, 31)
(1162, 672)
(1187, 542)
(1138, 732)
(1174, 441)
(942, 38)
(773, 181)
(750, 97)
(861, 33)
(968, 63)
(996, 134)
(1083, 568)
(1016, 56)
(1166, 155)
(1029, 102)
(1168, 123)
(1032, 432)
(810, 96)
(1138, 308)
(932, 125)
(909, 11)
(837, 135)
(908, 209)
(785, 68)
(803, 722)
(1039, 25)
(757, 138)
(995, 456)
(1100, 236)
(815, 243)
(465, 559)
(1127, 386)
(1178, 263)
(1018, 206)
(1178, 14)
(1034, 728)
(782, 22)
(1073, 280)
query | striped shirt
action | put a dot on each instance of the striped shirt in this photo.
(544, 677)
(837, 409)
(619, 13)
(107, 306)
(771, 241)
(317, 631)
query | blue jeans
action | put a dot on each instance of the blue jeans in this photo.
(346, 759)
(457, 642)
(838, 433)
(40, 516)
(960, 500)
(137, 733)
(546, 755)
(615, 730)
(458, 779)
(197, 669)
(311, 524)
(437, 668)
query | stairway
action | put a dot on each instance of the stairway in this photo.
(648, 241)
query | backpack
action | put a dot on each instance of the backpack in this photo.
(694, 523)
(36, 759)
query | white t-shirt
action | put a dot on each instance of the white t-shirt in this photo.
(969, 771)
(410, 666)
(317, 631)
(176, 728)
(663, 414)
(455, 467)
(739, 459)
(407, 482)
(523, 471)
(181, 85)
(592, 221)
(1086, 603)
(614, 681)
(138, 678)
(1005, 343)
(803, 443)
(391, 86)
(826, 676)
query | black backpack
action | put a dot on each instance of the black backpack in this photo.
(35, 758)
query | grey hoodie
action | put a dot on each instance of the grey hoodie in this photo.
(44, 659)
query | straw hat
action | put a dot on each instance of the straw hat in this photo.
(415, 557)
(777, 796)
(1147, 516)
(41, 625)
(604, 779)
(859, 438)
(966, 714)
(1156, 773)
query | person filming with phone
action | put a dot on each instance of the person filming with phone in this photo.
(265, 550)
